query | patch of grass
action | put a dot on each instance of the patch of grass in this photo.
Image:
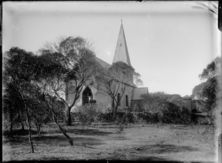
(18, 132)
(136, 142)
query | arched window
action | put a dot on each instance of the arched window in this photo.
(87, 96)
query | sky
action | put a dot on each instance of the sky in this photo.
(169, 43)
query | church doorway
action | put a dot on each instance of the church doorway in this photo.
(87, 96)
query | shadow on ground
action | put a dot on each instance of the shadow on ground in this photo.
(17, 136)
(95, 132)
(143, 152)
(165, 148)
(18, 132)
(60, 140)
(53, 140)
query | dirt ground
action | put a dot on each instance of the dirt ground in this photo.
(135, 142)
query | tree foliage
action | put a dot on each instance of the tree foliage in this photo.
(19, 73)
(211, 69)
(208, 89)
(137, 79)
(167, 108)
(23, 94)
(76, 65)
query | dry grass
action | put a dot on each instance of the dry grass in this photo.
(149, 142)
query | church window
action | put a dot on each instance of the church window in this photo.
(87, 96)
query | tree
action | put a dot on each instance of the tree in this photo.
(209, 91)
(23, 95)
(217, 11)
(79, 64)
(12, 110)
(137, 79)
(116, 81)
(197, 92)
(155, 102)
(210, 73)
(54, 105)
(39, 113)
(50, 72)
(210, 87)
(19, 71)
(214, 67)
(168, 108)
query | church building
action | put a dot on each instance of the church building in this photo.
(92, 93)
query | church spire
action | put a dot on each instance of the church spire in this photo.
(121, 52)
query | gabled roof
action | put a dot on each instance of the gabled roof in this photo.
(138, 92)
(121, 52)
(103, 63)
(106, 66)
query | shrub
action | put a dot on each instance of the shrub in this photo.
(126, 117)
(175, 114)
(169, 113)
(148, 117)
(105, 117)
(131, 117)
(89, 113)
(121, 117)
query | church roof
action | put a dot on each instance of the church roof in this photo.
(121, 52)
(106, 66)
(103, 63)
(138, 92)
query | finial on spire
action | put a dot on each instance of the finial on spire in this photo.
(121, 21)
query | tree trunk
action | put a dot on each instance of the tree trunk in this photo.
(11, 127)
(21, 121)
(30, 134)
(62, 130)
(11, 121)
(68, 116)
(68, 119)
(114, 112)
(29, 121)
(38, 128)
(22, 125)
(113, 109)
(57, 123)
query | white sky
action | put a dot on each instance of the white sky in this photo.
(169, 43)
